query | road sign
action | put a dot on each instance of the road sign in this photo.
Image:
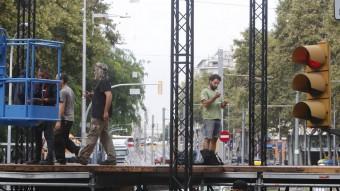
(224, 136)
(337, 9)
(134, 91)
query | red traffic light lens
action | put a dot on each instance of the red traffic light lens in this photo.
(314, 64)
(312, 55)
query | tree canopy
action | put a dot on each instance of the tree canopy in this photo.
(62, 20)
(298, 23)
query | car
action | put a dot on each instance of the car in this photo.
(121, 149)
(325, 162)
(159, 159)
(130, 142)
(257, 162)
(148, 141)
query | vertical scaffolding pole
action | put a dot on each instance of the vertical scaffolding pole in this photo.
(258, 80)
(181, 126)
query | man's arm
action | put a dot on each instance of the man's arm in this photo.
(61, 114)
(207, 102)
(61, 109)
(108, 101)
(223, 104)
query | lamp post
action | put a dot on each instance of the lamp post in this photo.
(83, 98)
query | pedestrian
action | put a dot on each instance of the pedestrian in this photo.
(240, 185)
(62, 127)
(101, 112)
(212, 104)
(44, 95)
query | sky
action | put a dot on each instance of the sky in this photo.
(147, 34)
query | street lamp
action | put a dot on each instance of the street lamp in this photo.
(83, 97)
(105, 15)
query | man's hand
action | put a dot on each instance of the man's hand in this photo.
(88, 94)
(57, 125)
(106, 116)
(217, 95)
(224, 103)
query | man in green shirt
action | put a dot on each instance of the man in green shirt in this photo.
(212, 104)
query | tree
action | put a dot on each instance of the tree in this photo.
(298, 23)
(62, 20)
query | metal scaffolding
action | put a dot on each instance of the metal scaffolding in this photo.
(26, 25)
(258, 80)
(181, 104)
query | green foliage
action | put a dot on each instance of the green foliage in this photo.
(298, 23)
(62, 20)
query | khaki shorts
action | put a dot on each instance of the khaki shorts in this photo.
(211, 128)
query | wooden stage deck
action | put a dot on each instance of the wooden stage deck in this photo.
(76, 175)
(74, 167)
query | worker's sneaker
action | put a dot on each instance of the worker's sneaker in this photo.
(46, 162)
(77, 151)
(61, 161)
(108, 162)
(82, 161)
(205, 155)
(214, 159)
(33, 162)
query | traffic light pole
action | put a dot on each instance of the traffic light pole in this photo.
(296, 135)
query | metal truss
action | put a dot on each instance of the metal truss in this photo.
(26, 25)
(258, 80)
(141, 188)
(181, 104)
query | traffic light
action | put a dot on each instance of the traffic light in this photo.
(315, 82)
(160, 87)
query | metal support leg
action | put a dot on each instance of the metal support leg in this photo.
(259, 181)
(141, 188)
(210, 188)
(92, 182)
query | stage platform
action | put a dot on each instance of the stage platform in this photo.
(96, 176)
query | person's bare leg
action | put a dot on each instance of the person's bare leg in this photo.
(206, 144)
(212, 145)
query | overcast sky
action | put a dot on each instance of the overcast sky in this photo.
(147, 34)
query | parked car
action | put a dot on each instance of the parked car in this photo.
(325, 162)
(130, 142)
(158, 160)
(121, 149)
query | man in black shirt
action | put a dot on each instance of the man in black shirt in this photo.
(101, 112)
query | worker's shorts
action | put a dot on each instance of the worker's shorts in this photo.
(211, 128)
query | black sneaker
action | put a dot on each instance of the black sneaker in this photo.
(77, 151)
(108, 162)
(61, 161)
(33, 162)
(82, 161)
(46, 162)
(205, 156)
(213, 160)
